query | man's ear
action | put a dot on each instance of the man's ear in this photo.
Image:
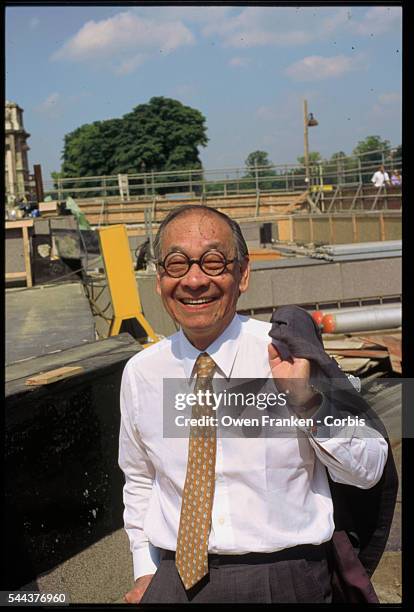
(245, 275)
(158, 284)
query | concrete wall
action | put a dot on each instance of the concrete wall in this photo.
(285, 283)
(63, 486)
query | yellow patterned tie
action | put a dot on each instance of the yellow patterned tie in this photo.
(191, 556)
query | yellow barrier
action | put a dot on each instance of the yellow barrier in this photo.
(119, 268)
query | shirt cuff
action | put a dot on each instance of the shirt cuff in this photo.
(145, 560)
(319, 429)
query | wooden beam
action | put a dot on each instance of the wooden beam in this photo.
(45, 378)
(26, 252)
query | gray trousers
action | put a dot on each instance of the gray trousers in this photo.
(300, 574)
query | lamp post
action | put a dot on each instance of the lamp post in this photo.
(308, 121)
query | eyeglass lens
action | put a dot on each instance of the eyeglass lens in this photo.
(178, 264)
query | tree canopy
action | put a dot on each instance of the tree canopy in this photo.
(370, 148)
(160, 135)
(257, 158)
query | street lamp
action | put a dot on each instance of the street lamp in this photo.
(308, 121)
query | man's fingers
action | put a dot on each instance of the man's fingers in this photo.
(273, 353)
(133, 596)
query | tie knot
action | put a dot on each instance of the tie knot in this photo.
(205, 366)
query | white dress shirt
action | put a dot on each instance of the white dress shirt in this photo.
(379, 178)
(270, 493)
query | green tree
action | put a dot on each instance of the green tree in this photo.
(340, 168)
(397, 153)
(256, 158)
(370, 149)
(160, 135)
(314, 158)
(265, 171)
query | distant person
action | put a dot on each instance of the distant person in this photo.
(380, 177)
(396, 178)
(143, 255)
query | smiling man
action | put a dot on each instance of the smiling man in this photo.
(216, 519)
(201, 298)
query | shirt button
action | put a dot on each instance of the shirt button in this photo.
(221, 520)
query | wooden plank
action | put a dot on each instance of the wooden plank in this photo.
(47, 207)
(23, 225)
(26, 252)
(354, 228)
(20, 223)
(345, 343)
(382, 226)
(45, 378)
(311, 232)
(15, 275)
(358, 353)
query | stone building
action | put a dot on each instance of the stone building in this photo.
(16, 160)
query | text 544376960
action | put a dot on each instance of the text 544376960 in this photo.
(32, 598)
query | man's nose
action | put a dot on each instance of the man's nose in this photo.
(195, 277)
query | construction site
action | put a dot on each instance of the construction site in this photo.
(81, 300)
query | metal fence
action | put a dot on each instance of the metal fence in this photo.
(202, 183)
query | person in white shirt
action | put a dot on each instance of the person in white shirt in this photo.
(380, 177)
(272, 514)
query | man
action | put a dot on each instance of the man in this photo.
(380, 177)
(264, 536)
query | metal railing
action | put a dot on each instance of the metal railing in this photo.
(201, 183)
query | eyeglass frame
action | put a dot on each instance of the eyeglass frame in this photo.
(198, 261)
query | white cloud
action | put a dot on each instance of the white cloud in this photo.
(51, 107)
(121, 35)
(292, 26)
(239, 62)
(390, 98)
(130, 64)
(316, 67)
(378, 20)
(34, 22)
(55, 104)
(388, 104)
(260, 26)
(49, 103)
(193, 14)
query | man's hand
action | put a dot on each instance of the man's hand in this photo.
(292, 378)
(140, 586)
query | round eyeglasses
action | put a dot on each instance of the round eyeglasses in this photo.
(212, 263)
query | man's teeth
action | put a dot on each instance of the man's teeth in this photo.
(199, 301)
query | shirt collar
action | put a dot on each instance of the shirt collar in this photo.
(223, 350)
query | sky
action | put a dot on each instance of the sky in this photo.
(246, 68)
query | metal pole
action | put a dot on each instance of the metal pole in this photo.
(60, 188)
(306, 140)
(321, 187)
(256, 175)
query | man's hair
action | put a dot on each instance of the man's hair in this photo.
(239, 241)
